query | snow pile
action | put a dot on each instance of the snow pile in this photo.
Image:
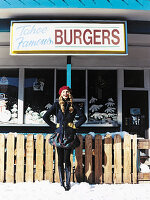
(46, 191)
(144, 168)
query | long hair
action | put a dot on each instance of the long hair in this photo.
(62, 103)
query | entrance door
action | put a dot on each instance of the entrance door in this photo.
(135, 112)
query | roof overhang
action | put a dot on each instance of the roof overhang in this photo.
(74, 13)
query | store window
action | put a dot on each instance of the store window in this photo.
(38, 94)
(99, 104)
(78, 78)
(134, 78)
(78, 83)
(60, 80)
(9, 95)
(102, 97)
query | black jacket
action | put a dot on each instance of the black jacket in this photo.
(64, 118)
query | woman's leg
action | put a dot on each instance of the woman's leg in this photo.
(67, 153)
(60, 152)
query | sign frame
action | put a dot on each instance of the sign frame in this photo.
(69, 52)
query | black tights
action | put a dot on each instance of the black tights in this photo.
(64, 157)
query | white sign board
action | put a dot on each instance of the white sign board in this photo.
(68, 38)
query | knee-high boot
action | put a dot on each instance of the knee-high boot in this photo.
(68, 174)
(61, 175)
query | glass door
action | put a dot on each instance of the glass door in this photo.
(135, 112)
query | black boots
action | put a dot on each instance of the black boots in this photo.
(68, 174)
(61, 175)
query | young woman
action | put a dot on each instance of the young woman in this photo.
(64, 138)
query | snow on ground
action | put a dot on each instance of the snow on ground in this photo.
(53, 191)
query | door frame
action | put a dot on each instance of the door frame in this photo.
(121, 88)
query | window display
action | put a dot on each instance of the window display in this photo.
(102, 96)
(9, 95)
(99, 104)
(39, 94)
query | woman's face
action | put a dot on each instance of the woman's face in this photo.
(65, 94)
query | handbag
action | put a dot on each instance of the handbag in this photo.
(70, 142)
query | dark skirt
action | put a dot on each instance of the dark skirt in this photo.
(71, 141)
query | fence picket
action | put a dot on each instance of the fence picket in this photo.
(10, 159)
(117, 159)
(71, 160)
(127, 159)
(29, 158)
(48, 160)
(2, 152)
(78, 161)
(88, 159)
(20, 159)
(135, 159)
(98, 159)
(39, 157)
(108, 159)
(56, 166)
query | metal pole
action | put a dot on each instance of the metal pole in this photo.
(69, 71)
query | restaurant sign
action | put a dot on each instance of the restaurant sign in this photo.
(68, 38)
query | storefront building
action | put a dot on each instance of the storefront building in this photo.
(113, 89)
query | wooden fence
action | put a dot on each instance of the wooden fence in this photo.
(26, 158)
